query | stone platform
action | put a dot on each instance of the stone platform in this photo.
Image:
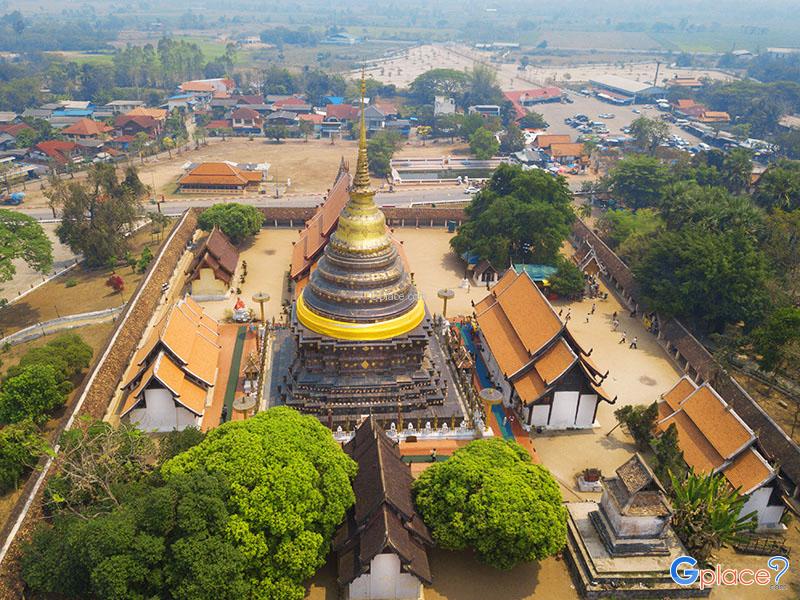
(597, 574)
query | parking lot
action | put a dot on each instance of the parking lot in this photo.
(555, 113)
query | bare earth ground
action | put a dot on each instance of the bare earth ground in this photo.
(54, 299)
(404, 68)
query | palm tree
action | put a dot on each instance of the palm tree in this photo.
(708, 513)
(585, 210)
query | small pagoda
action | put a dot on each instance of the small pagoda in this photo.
(363, 336)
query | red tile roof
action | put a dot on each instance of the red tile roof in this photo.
(343, 112)
(313, 117)
(246, 114)
(219, 173)
(56, 149)
(13, 129)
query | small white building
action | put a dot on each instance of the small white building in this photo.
(169, 383)
(714, 439)
(381, 547)
(442, 105)
(543, 373)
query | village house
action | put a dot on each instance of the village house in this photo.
(292, 104)
(86, 129)
(313, 118)
(246, 121)
(132, 124)
(485, 110)
(544, 141)
(55, 152)
(567, 154)
(541, 370)
(169, 383)
(120, 107)
(211, 272)
(216, 177)
(714, 439)
(282, 117)
(381, 548)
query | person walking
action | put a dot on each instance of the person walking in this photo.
(433, 455)
(594, 307)
(624, 337)
(634, 345)
(615, 323)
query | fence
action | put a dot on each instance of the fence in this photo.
(54, 325)
(695, 360)
(94, 394)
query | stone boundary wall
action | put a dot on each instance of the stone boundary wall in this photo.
(38, 330)
(94, 394)
(395, 216)
(695, 360)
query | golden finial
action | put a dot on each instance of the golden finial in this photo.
(361, 184)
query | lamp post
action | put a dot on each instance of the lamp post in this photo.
(445, 294)
(261, 298)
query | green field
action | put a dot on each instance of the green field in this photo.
(85, 57)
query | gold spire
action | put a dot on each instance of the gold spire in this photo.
(361, 185)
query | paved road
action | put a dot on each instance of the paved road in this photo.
(398, 198)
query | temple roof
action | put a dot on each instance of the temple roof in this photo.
(712, 437)
(527, 339)
(217, 253)
(384, 518)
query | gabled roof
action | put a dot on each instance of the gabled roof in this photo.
(544, 141)
(56, 149)
(14, 129)
(189, 336)
(159, 114)
(572, 149)
(219, 173)
(343, 112)
(171, 376)
(87, 127)
(384, 518)
(246, 114)
(530, 344)
(143, 121)
(319, 227)
(217, 253)
(711, 435)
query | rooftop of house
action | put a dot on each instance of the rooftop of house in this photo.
(218, 253)
(220, 173)
(87, 128)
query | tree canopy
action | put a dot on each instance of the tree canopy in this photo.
(520, 216)
(639, 181)
(22, 237)
(483, 144)
(490, 497)
(380, 149)
(237, 221)
(31, 394)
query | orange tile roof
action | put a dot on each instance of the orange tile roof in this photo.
(504, 343)
(530, 387)
(719, 423)
(86, 128)
(159, 114)
(188, 334)
(557, 150)
(219, 173)
(555, 361)
(319, 227)
(697, 450)
(544, 141)
(170, 375)
(197, 86)
(679, 393)
(748, 471)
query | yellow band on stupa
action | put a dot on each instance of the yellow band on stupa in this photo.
(362, 332)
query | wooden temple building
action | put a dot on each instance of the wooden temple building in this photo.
(211, 272)
(381, 548)
(363, 336)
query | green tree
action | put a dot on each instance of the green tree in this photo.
(450, 83)
(714, 208)
(568, 281)
(520, 216)
(737, 168)
(779, 187)
(22, 237)
(640, 422)
(648, 134)
(712, 278)
(668, 455)
(490, 497)
(67, 353)
(97, 214)
(306, 129)
(276, 132)
(471, 122)
(707, 514)
(380, 149)
(21, 445)
(31, 394)
(777, 340)
(237, 221)
(289, 485)
(175, 442)
(639, 181)
(781, 244)
(482, 87)
(533, 120)
(512, 139)
(483, 144)
(618, 227)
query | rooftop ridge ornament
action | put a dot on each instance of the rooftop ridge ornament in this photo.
(362, 190)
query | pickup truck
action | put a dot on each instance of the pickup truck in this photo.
(14, 199)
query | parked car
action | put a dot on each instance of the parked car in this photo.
(472, 190)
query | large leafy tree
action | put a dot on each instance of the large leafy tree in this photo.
(20, 448)
(380, 149)
(714, 208)
(713, 278)
(237, 221)
(31, 394)
(512, 140)
(639, 181)
(97, 215)
(68, 354)
(490, 497)
(707, 513)
(483, 144)
(737, 168)
(22, 237)
(625, 228)
(777, 340)
(289, 487)
(568, 280)
(649, 133)
(533, 120)
(782, 246)
(450, 83)
(521, 216)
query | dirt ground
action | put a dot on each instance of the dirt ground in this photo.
(402, 69)
(89, 292)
